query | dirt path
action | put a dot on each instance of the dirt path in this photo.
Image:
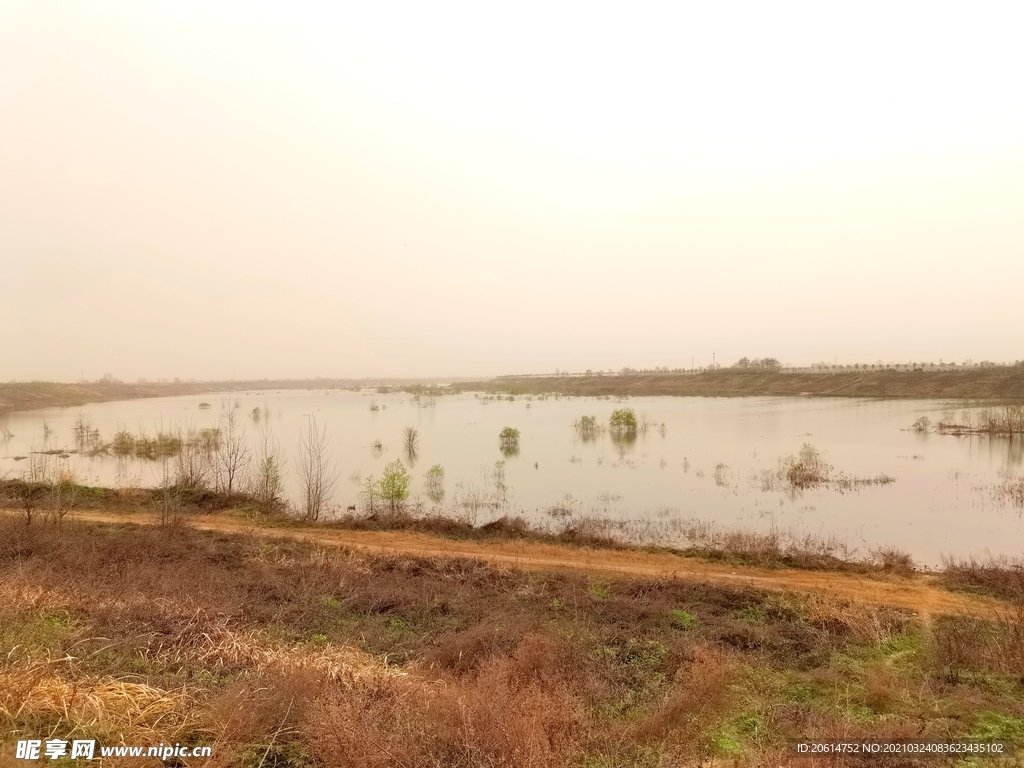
(917, 593)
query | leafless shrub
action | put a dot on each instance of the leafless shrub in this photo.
(64, 491)
(167, 497)
(317, 474)
(892, 560)
(411, 442)
(266, 482)
(193, 463)
(232, 460)
(992, 420)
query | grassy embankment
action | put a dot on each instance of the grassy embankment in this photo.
(990, 383)
(284, 653)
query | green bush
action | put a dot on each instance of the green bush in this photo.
(623, 420)
(509, 437)
(682, 619)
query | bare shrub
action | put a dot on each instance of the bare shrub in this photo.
(194, 462)
(699, 696)
(31, 491)
(892, 560)
(64, 491)
(806, 470)
(232, 460)
(317, 474)
(411, 443)
(266, 483)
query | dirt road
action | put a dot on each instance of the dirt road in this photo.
(917, 593)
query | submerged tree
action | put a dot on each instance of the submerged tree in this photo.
(435, 483)
(411, 442)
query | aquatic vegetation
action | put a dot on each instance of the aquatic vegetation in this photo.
(1010, 490)
(623, 420)
(721, 477)
(809, 470)
(989, 420)
(587, 427)
(509, 440)
(86, 436)
(435, 483)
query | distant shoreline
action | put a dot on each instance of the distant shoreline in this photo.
(32, 395)
(997, 383)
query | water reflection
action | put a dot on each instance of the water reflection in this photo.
(688, 458)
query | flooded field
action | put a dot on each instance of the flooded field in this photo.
(730, 462)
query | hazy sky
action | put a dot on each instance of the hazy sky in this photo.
(341, 189)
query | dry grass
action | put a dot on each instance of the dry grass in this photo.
(277, 653)
(999, 576)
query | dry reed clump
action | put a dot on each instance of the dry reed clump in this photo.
(1001, 577)
(809, 470)
(966, 644)
(30, 689)
(508, 712)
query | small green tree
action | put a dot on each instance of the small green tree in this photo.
(509, 439)
(394, 484)
(623, 420)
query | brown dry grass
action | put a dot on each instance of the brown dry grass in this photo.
(280, 653)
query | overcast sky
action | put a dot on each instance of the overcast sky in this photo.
(429, 189)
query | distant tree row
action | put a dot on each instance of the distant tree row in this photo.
(761, 364)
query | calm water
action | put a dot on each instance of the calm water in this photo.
(703, 464)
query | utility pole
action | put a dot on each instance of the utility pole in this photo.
(713, 365)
